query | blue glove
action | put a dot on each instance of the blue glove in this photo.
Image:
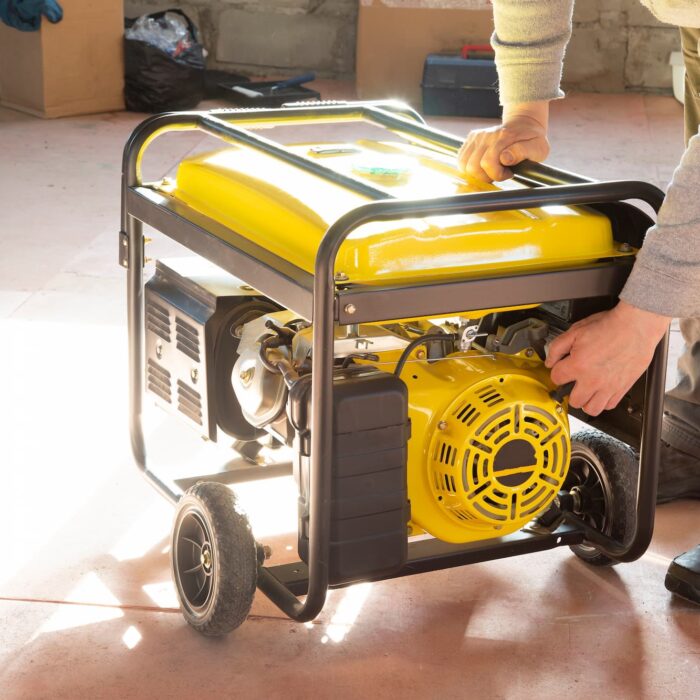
(52, 11)
(25, 15)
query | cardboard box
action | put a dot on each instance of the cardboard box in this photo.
(73, 67)
(395, 36)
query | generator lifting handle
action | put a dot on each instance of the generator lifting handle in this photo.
(227, 124)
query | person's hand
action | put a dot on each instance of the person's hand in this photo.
(605, 354)
(487, 153)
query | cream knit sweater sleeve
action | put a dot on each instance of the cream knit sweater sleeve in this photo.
(530, 38)
(666, 276)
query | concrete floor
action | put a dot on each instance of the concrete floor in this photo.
(87, 609)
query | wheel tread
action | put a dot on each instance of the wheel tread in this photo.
(235, 556)
(622, 468)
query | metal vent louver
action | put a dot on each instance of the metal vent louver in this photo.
(189, 402)
(187, 339)
(158, 320)
(158, 380)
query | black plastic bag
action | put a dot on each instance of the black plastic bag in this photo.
(163, 79)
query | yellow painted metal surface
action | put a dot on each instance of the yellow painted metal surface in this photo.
(489, 449)
(287, 210)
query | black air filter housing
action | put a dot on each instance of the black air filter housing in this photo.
(369, 509)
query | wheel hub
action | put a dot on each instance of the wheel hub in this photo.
(194, 561)
(205, 558)
(589, 492)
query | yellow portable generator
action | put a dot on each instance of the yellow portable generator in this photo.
(363, 304)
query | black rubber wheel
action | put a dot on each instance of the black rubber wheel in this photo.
(603, 474)
(214, 559)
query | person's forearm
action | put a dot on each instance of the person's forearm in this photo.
(666, 276)
(530, 38)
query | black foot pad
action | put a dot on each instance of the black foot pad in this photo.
(683, 577)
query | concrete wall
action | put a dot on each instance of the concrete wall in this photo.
(617, 44)
(260, 37)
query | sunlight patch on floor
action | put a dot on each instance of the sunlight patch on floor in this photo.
(90, 589)
(271, 505)
(151, 527)
(131, 637)
(348, 610)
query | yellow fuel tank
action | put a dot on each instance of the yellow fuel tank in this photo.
(287, 210)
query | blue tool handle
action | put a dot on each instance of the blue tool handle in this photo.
(293, 82)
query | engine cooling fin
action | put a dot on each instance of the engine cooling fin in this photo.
(499, 456)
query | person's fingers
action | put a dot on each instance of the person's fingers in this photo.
(563, 373)
(560, 347)
(504, 152)
(612, 402)
(581, 395)
(597, 403)
(491, 163)
(473, 168)
(465, 153)
(472, 142)
(486, 154)
(536, 149)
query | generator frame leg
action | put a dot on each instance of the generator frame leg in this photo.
(135, 292)
(329, 308)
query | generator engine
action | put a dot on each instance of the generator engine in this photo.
(445, 427)
(489, 446)
(493, 449)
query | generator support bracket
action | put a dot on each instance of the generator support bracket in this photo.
(124, 249)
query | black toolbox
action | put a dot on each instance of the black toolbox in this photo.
(464, 85)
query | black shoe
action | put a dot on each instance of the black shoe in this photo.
(679, 475)
(683, 577)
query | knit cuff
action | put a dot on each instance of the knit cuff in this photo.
(529, 82)
(660, 293)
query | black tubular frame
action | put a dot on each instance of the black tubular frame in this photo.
(318, 299)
